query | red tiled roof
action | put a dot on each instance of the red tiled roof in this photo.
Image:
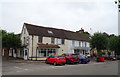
(48, 46)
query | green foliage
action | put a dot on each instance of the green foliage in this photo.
(99, 41)
(102, 41)
(10, 40)
(114, 44)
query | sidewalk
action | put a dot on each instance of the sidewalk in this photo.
(16, 60)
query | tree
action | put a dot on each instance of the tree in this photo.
(10, 40)
(99, 41)
(114, 44)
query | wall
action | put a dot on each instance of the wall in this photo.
(63, 48)
(46, 40)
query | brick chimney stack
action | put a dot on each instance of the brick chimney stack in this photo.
(81, 31)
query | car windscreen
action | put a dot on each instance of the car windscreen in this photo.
(80, 56)
(74, 55)
(60, 57)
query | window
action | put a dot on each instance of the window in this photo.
(50, 32)
(24, 40)
(39, 39)
(63, 41)
(85, 44)
(52, 40)
(79, 43)
(118, 6)
(24, 31)
(46, 52)
(73, 43)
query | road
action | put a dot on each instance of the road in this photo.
(93, 68)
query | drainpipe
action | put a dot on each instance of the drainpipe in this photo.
(36, 53)
(32, 48)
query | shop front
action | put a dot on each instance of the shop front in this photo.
(45, 50)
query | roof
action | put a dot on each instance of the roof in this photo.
(18, 35)
(57, 33)
(48, 46)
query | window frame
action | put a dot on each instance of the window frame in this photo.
(40, 39)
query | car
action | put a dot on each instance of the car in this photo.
(83, 59)
(109, 58)
(71, 58)
(56, 59)
(118, 57)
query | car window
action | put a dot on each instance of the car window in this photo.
(51, 56)
(60, 56)
(81, 56)
(74, 55)
(65, 54)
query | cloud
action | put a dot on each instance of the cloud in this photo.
(70, 15)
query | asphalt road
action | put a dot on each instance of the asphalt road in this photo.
(37, 68)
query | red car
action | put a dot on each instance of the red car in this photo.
(109, 58)
(56, 59)
(71, 58)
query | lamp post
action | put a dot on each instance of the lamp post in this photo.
(118, 3)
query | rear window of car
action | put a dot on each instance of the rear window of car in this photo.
(60, 57)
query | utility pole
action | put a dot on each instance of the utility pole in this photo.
(118, 4)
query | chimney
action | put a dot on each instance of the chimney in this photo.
(81, 31)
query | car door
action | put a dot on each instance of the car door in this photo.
(52, 59)
(49, 59)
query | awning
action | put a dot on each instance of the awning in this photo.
(48, 46)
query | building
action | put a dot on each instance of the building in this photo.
(39, 42)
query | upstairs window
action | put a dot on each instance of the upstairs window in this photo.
(118, 6)
(52, 40)
(63, 41)
(24, 40)
(39, 39)
(24, 31)
(79, 43)
(73, 43)
(60, 41)
(85, 44)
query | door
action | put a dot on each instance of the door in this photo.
(25, 54)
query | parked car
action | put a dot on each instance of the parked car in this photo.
(83, 59)
(118, 57)
(110, 58)
(56, 59)
(71, 58)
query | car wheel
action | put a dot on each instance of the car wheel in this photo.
(54, 63)
(62, 63)
(79, 62)
(46, 62)
(67, 61)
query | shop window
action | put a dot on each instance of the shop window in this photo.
(46, 52)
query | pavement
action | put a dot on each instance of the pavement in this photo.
(21, 67)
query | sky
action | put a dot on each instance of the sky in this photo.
(91, 15)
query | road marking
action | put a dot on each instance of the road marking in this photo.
(17, 67)
(98, 63)
(26, 69)
(17, 71)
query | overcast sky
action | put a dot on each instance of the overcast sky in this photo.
(99, 15)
